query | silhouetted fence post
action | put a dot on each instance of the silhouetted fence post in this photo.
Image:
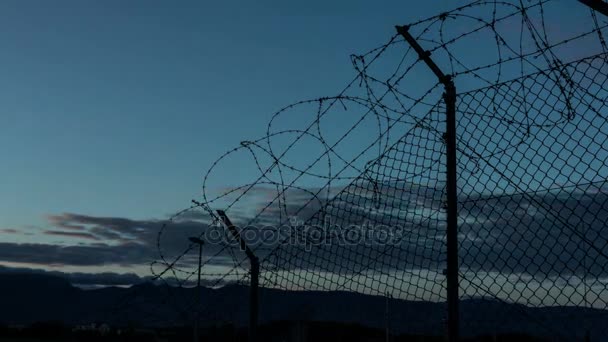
(200, 243)
(254, 299)
(452, 201)
(597, 5)
(255, 274)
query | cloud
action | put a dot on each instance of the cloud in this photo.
(126, 232)
(9, 231)
(80, 278)
(112, 241)
(111, 229)
(87, 280)
(94, 255)
(60, 221)
(541, 235)
(544, 234)
(71, 234)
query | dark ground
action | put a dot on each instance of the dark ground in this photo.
(278, 331)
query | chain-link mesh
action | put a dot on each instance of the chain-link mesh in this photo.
(365, 209)
(382, 234)
(532, 210)
(532, 177)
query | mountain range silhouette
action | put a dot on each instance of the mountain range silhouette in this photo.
(29, 298)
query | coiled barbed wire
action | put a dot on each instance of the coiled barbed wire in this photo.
(402, 113)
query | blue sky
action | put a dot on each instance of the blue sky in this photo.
(114, 108)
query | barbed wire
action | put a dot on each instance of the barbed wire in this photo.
(374, 155)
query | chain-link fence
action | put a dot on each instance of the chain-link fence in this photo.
(532, 175)
(367, 213)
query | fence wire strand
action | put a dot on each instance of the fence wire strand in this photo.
(353, 185)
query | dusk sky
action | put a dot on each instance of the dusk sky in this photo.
(117, 109)
(114, 110)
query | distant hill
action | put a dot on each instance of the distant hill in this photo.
(28, 298)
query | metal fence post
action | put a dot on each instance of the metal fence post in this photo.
(597, 5)
(254, 299)
(452, 200)
(452, 219)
